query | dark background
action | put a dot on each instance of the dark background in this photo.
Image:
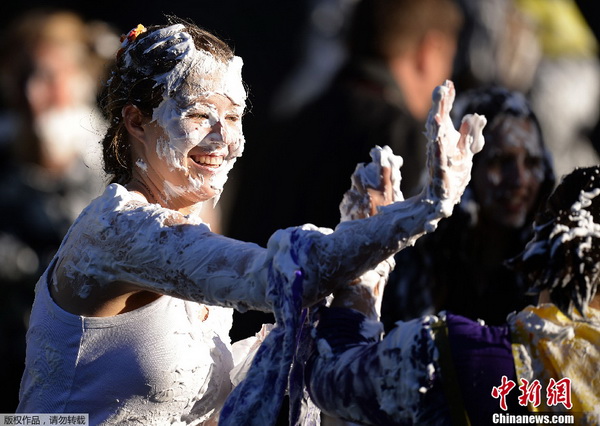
(267, 34)
(263, 33)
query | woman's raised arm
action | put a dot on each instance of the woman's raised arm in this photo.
(359, 245)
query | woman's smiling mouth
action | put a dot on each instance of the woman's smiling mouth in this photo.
(212, 161)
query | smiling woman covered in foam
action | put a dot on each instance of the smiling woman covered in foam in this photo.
(131, 319)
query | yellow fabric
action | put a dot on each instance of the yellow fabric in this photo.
(547, 344)
(560, 26)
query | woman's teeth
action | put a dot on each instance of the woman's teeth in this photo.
(208, 160)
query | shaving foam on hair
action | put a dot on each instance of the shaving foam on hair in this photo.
(203, 64)
(582, 224)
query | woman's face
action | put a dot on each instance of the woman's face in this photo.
(509, 171)
(194, 140)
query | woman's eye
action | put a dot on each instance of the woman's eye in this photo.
(533, 162)
(495, 161)
(199, 115)
(233, 118)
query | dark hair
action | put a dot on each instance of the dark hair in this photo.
(495, 101)
(384, 28)
(564, 254)
(133, 81)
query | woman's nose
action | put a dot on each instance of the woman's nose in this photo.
(216, 132)
(515, 173)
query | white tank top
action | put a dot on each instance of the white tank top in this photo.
(164, 363)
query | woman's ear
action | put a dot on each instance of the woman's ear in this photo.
(134, 122)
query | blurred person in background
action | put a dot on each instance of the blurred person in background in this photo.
(52, 62)
(397, 52)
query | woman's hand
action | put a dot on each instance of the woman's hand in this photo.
(360, 252)
(377, 184)
(374, 185)
(450, 151)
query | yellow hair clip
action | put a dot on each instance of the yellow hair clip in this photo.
(132, 35)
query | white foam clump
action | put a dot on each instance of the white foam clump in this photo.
(585, 225)
(397, 374)
(397, 357)
(370, 175)
(355, 202)
(204, 64)
(538, 329)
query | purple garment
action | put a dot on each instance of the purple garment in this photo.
(345, 380)
(256, 401)
(481, 356)
(353, 374)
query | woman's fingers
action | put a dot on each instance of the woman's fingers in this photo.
(383, 194)
(451, 151)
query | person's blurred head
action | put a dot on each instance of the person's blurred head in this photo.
(513, 174)
(416, 39)
(52, 64)
(563, 256)
(174, 103)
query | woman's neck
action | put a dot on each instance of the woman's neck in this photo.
(146, 189)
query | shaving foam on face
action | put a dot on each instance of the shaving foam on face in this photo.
(214, 134)
(192, 115)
